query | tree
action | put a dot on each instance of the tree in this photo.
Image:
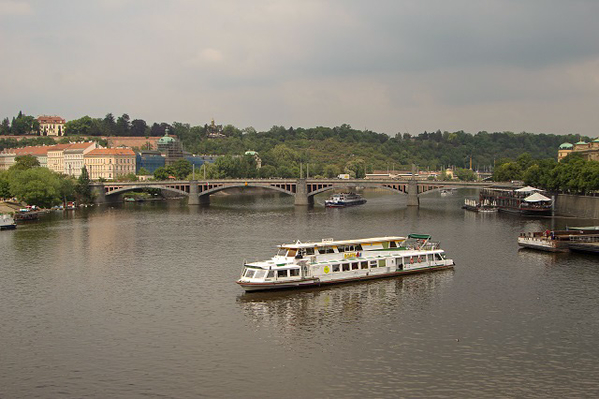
(81, 126)
(122, 125)
(109, 125)
(5, 127)
(161, 173)
(465, 174)
(143, 172)
(83, 189)
(24, 162)
(66, 189)
(36, 186)
(139, 128)
(24, 124)
(4, 185)
(356, 168)
(180, 169)
(507, 172)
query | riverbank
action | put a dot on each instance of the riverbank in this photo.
(577, 205)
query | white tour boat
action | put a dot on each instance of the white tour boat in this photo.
(304, 264)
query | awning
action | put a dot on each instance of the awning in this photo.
(527, 189)
(536, 197)
(420, 236)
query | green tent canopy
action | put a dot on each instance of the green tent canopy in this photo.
(420, 236)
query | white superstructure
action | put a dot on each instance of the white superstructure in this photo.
(329, 261)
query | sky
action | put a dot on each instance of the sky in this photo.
(390, 66)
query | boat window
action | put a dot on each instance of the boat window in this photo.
(364, 265)
(373, 263)
(345, 267)
(341, 248)
(281, 273)
(392, 244)
(282, 252)
(336, 268)
(271, 274)
(382, 263)
(354, 266)
(292, 252)
(309, 251)
(260, 274)
(327, 250)
(249, 273)
(294, 272)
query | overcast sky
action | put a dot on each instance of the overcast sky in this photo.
(385, 65)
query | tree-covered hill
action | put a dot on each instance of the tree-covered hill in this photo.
(326, 149)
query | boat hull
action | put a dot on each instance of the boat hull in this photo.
(543, 244)
(344, 204)
(315, 282)
(8, 227)
(525, 212)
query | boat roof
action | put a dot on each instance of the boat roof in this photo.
(331, 242)
(527, 189)
(536, 197)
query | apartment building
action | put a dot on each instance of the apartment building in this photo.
(109, 163)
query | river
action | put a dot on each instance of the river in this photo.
(139, 300)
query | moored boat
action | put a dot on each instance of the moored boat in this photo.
(472, 205)
(330, 262)
(561, 240)
(7, 222)
(526, 201)
(342, 200)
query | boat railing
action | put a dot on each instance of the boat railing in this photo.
(428, 246)
(585, 238)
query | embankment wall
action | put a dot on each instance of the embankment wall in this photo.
(577, 205)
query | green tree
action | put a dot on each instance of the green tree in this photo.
(4, 185)
(123, 125)
(83, 189)
(180, 169)
(36, 186)
(356, 168)
(507, 172)
(465, 174)
(161, 173)
(143, 172)
(66, 189)
(24, 162)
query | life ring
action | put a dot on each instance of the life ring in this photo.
(326, 269)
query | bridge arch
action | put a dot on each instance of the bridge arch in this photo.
(320, 190)
(244, 185)
(145, 186)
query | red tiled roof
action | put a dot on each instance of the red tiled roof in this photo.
(111, 151)
(50, 119)
(37, 150)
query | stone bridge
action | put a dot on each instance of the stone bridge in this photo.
(304, 190)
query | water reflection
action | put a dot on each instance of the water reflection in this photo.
(292, 310)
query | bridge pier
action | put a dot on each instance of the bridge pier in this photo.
(194, 194)
(413, 199)
(98, 193)
(301, 193)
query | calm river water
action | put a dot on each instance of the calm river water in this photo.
(140, 301)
